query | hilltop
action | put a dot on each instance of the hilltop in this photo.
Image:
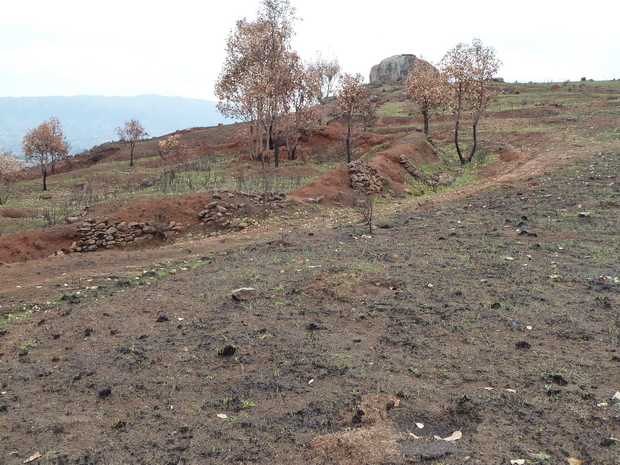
(483, 305)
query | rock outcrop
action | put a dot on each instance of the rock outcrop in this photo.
(394, 70)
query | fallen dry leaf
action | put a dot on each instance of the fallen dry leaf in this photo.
(222, 415)
(574, 461)
(33, 457)
(420, 425)
(517, 462)
(455, 436)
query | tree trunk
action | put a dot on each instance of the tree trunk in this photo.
(44, 180)
(348, 143)
(475, 136)
(456, 142)
(475, 142)
(426, 117)
(276, 149)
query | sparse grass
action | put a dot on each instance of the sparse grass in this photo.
(30, 344)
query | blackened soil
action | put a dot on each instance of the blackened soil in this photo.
(496, 314)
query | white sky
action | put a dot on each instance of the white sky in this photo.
(132, 47)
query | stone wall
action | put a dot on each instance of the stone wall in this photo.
(221, 214)
(410, 167)
(364, 178)
(97, 233)
(437, 179)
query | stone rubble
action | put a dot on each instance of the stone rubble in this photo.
(437, 179)
(410, 167)
(364, 178)
(221, 213)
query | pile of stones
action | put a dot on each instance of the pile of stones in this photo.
(220, 214)
(96, 233)
(364, 178)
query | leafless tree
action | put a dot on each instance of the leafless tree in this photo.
(469, 69)
(45, 145)
(328, 71)
(131, 133)
(365, 206)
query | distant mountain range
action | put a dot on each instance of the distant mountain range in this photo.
(91, 120)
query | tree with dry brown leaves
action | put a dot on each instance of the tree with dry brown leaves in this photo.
(427, 87)
(45, 145)
(131, 133)
(256, 74)
(353, 103)
(170, 145)
(300, 109)
(9, 169)
(469, 69)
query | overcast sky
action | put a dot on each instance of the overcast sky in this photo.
(132, 47)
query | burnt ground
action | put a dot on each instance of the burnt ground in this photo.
(491, 311)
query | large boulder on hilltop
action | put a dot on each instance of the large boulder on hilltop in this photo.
(394, 70)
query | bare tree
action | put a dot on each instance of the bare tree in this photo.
(131, 133)
(9, 168)
(469, 69)
(45, 145)
(365, 206)
(428, 89)
(353, 102)
(328, 71)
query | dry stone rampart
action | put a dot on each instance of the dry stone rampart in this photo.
(437, 179)
(410, 167)
(226, 211)
(98, 233)
(364, 178)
